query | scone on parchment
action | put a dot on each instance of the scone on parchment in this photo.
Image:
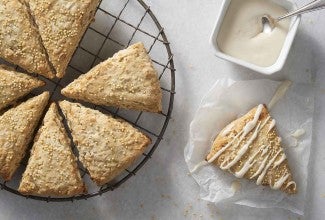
(17, 126)
(250, 147)
(52, 168)
(61, 24)
(14, 85)
(106, 145)
(127, 80)
(20, 42)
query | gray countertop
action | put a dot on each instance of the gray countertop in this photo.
(162, 189)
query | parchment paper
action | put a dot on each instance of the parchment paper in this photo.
(228, 100)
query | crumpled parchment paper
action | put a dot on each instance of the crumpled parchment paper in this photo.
(228, 100)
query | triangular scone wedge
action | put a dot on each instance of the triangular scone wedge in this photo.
(52, 168)
(250, 147)
(127, 80)
(106, 145)
(14, 85)
(61, 24)
(17, 126)
(20, 42)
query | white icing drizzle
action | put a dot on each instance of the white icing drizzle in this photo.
(272, 124)
(278, 162)
(266, 120)
(198, 166)
(298, 133)
(265, 150)
(291, 183)
(216, 155)
(235, 186)
(249, 163)
(261, 167)
(241, 151)
(227, 130)
(264, 166)
(280, 92)
(279, 183)
(251, 124)
(261, 177)
(295, 136)
(247, 128)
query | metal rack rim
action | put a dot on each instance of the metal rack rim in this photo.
(159, 137)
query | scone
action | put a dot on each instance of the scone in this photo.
(14, 85)
(17, 126)
(250, 148)
(61, 24)
(20, 42)
(127, 80)
(106, 145)
(52, 168)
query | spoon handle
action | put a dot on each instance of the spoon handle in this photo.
(312, 6)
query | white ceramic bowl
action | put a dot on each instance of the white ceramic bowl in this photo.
(277, 66)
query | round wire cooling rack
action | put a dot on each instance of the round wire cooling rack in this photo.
(118, 24)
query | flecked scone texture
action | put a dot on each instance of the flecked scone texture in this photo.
(52, 168)
(14, 85)
(20, 42)
(127, 80)
(16, 128)
(61, 25)
(264, 138)
(106, 145)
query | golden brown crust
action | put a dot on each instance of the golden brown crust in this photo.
(20, 42)
(16, 128)
(52, 168)
(14, 85)
(106, 145)
(126, 80)
(264, 138)
(61, 24)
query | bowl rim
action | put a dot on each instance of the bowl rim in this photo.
(269, 70)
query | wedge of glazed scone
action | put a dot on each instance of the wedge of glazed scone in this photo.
(250, 147)
(14, 85)
(106, 145)
(127, 80)
(17, 126)
(52, 168)
(20, 42)
(61, 24)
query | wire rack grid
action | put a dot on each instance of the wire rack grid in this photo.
(152, 34)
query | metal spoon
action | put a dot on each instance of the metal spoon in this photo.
(269, 22)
